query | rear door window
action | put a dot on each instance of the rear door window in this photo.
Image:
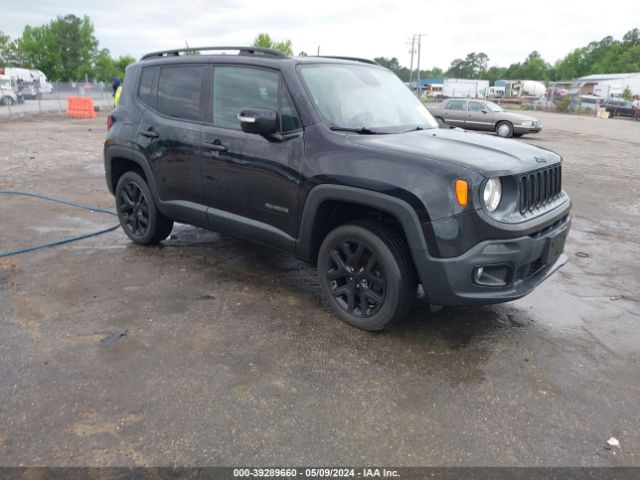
(180, 90)
(455, 105)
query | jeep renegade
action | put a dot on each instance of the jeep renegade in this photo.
(336, 161)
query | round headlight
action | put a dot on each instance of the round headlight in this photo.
(492, 194)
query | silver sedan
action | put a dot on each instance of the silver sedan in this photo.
(472, 114)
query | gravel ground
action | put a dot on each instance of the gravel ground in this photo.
(231, 358)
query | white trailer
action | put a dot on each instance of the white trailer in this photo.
(23, 77)
(458, 87)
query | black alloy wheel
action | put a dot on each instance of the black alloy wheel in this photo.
(135, 210)
(366, 274)
(356, 278)
(140, 218)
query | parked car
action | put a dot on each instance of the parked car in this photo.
(337, 162)
(620, 108)
(7, 95)
(483, 115)
(29, 92)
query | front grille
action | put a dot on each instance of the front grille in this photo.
(540, 188)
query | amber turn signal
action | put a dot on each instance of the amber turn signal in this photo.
(462, 192)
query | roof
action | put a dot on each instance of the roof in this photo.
(607, 76)
(248, 52)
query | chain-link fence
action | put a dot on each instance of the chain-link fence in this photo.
(50, 99)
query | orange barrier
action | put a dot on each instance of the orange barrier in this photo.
(80, 107)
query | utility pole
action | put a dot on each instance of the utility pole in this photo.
(413, 42)
(418, 86)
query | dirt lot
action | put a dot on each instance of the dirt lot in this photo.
(232, 358)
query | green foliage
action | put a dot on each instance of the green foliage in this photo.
(64, 49)
(263, 40)
(9, 55)
(403, 72)
(605, 56)
(563, 105)
(626, 94)
(472, 66)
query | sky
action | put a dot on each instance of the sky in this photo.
(506, 31)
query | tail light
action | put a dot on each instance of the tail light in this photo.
(109, 122)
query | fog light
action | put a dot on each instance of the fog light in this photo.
(492, 275)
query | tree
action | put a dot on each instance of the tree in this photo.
(104, 66)
(605, 56)
(121, 63)
(9, 55)
(472, 66)
(64, 49)
(535, 68)
(263, 40)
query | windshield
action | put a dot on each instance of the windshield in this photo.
(494, 107)
(5, 83)
(364, 98)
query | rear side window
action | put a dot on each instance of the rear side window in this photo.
(179, 91)
(145, 91)
(455, 105)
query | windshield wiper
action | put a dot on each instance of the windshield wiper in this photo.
(361, 130)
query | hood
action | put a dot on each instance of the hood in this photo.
(486, 154)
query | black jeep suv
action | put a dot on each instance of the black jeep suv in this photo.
(334, 160)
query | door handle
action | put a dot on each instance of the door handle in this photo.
(215, 146)
(150, 133)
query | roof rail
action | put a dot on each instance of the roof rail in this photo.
(267, 52)
(353, 59)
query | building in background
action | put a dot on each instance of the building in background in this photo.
(610, 84)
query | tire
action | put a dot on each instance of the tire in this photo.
(367, 257)
(504, 129)
(135, 207)
(7, 101)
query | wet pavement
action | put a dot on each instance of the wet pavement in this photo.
(231, 357)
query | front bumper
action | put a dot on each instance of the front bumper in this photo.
(520, 130)
(528, 260)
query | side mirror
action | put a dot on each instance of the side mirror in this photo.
(484, 111)
(261, 121)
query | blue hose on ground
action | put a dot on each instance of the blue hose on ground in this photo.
(65, 240)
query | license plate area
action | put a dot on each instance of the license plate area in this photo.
(554, 247)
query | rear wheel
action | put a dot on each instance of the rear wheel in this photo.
(7, 101)
(504, 129)
(366, 275)
(140, 218)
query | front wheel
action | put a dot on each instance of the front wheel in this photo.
(504, 129)
(140, 218)
(366, 275)
(7, 101)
